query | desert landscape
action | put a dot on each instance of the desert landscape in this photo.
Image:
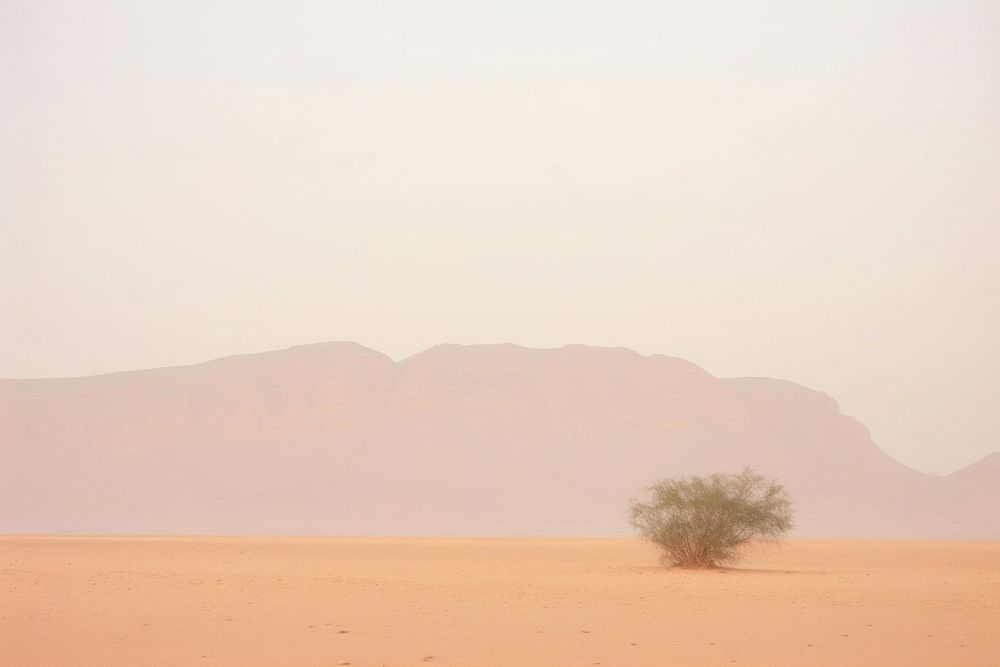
(109, 479)
(476, 601)
(499, 333)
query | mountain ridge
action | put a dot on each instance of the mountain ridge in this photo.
(455, 438)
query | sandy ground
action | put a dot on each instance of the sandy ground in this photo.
(394, 601)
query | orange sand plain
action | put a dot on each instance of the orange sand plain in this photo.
(482, 601)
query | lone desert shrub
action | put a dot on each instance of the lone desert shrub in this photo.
(709, 521)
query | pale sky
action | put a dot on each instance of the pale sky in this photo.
(801, 190)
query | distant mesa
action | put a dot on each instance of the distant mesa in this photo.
(336, 438)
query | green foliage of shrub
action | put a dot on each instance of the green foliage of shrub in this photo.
(709, 521)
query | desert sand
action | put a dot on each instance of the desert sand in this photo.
(484, 601)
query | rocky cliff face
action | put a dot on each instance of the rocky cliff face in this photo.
(493, 439)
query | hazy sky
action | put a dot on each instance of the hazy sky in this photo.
(801, 190)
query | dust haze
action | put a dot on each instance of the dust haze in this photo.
(780, 190)
(349, 333)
